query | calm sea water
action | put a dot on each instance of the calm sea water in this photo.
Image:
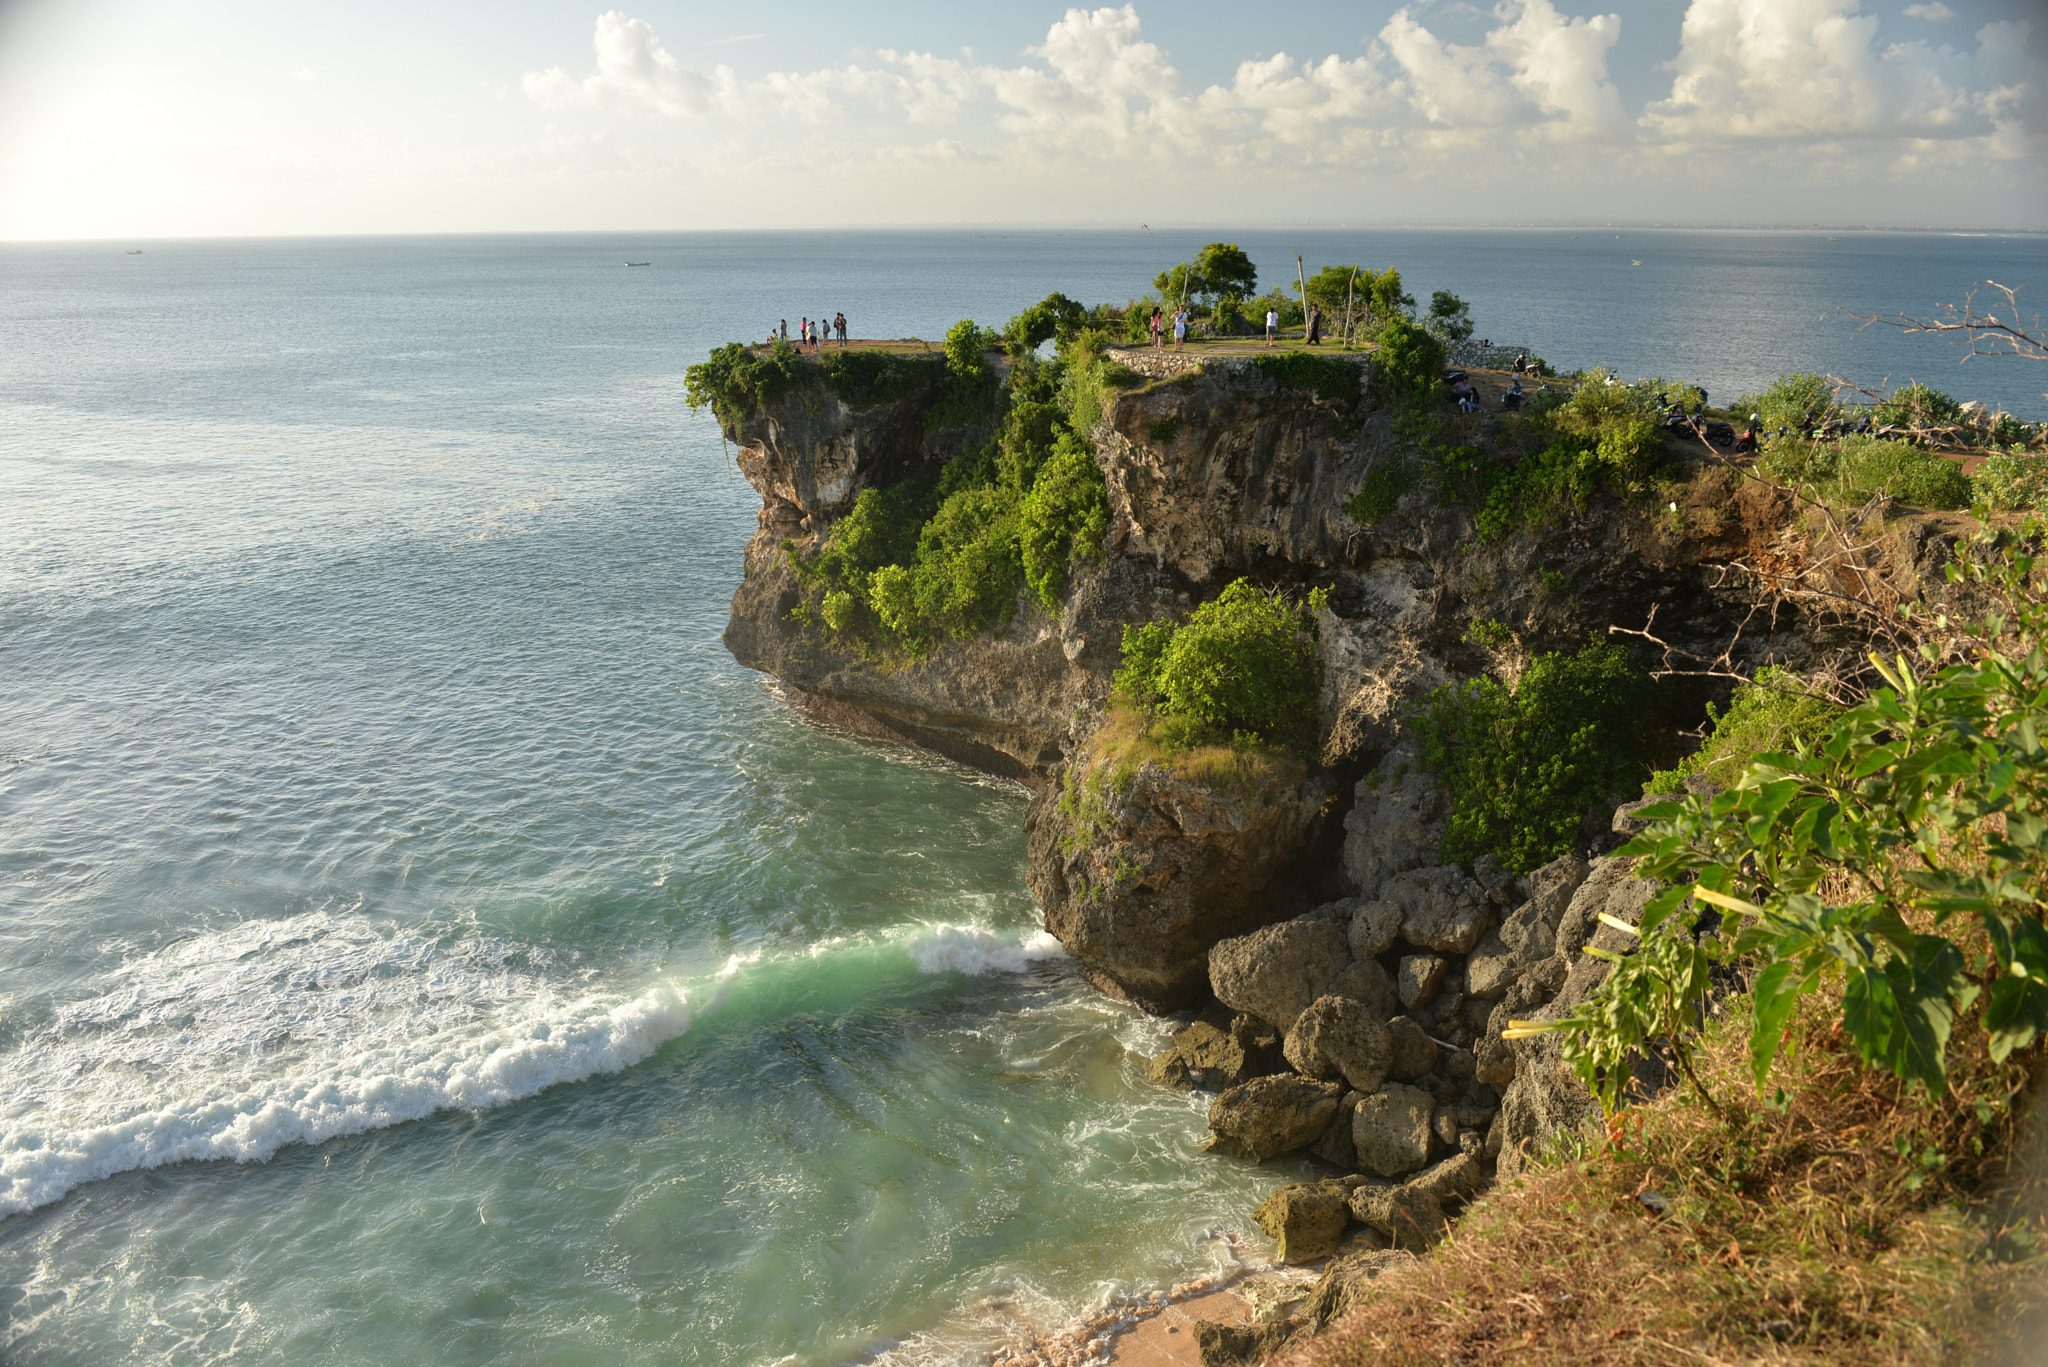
(420, 942)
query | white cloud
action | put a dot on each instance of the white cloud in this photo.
(1771, 73)
(1790, 70)
(1933, 14)
(633, 69)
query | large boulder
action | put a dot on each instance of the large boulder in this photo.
(1214, 1055)
(1306, 1219)
(1392, 1129)
(1374, 928)
(1365, 982)
(1396, 823)
(1336, 1037)
(1140, 873)
(1416, 1213)
(1274, 973)
(1269, 1116)
(1420, 977)
(1412, 1053)
(1441, 908)
(1336, 1147)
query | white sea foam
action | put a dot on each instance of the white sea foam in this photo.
(943, 948)
(235, 1044)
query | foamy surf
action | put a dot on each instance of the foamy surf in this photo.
(236, 1044)
(944, 948)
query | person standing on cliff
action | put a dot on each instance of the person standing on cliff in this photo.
(1180, 326)
(1158, 326)
(839, 322)
(1272, 327)
(1315, 325)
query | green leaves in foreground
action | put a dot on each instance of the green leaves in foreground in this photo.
(1917, 821)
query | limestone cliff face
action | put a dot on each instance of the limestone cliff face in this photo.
(1212, 475)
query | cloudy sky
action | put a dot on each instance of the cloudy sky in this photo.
(151, 118)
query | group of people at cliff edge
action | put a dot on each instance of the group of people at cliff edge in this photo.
(812, 333)
(1179, 324)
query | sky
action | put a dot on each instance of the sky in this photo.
(170, 118)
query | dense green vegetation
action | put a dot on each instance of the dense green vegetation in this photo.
(868, 379)
(1329, 378)
(1379, 493)
(1408, 368)
(1241, 671)
(948, 556)
(1524, 762)
(735, 381)
(1902, 854)
(1856, 468)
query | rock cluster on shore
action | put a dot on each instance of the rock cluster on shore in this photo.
(1368, 1031)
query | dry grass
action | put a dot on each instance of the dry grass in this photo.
(1847, 1224)
(1124, 743)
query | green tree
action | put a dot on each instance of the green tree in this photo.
(1220, 270)
(1449, 316)
(1054, 316)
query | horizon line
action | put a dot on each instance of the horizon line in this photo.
(1410, 225)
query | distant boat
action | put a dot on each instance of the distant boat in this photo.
(135, 251)
(1635, 263)
(639, 263)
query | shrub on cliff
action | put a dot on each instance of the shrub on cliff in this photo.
(1867, 466)
(1063, 518)
(1525, 762)
(868, 379)
(1775, 713)
(736, 381)
(1794, 402)
(1409, 365)
(1329, 378)
(1919, 405)
(2013, 481)
(1242, 669)
(1054, 316)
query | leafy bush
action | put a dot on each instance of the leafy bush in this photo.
(1905, 852)
(1379, 493)
(1409, 365)
(868, 379)
(1524, 764)
(964, 577)
(1064, 517)
(735, 381)
(1327, 377)
(1244, 666)
(2013, 480)
(1919, 405)
(1868, 466)
(1773, 714)
(1793, 402)
(967, 348)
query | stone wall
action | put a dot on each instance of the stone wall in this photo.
(1474, 356)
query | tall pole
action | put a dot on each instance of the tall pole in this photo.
(1301, 283)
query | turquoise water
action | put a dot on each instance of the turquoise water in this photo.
(420, 942)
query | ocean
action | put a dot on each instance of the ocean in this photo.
(420, 942)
